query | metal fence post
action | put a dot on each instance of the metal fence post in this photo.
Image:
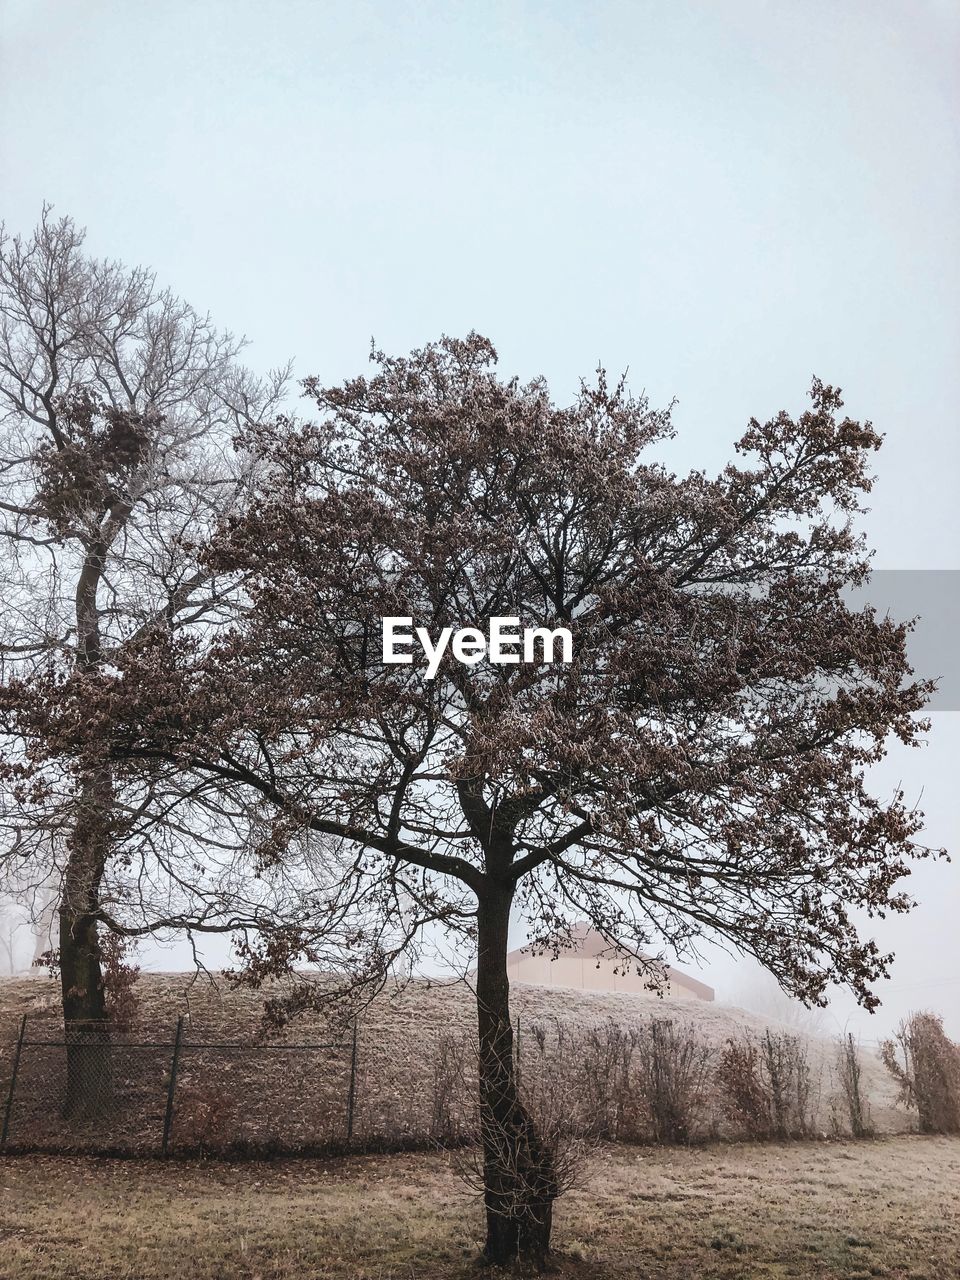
(352, 1094)
(13, 1081)
(168, 1114)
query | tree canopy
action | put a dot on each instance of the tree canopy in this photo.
(697, 769)
(118, 404)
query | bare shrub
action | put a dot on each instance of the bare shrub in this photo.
(765, 1088)
(625, 1084)
(850, 1073)
(206, 1112)
(785, 1072)
(551, 1081)
(607, 1103)
(549, 1093)
(447, 1121)
(743, 1098)
(672, 1070)
(926, 1065)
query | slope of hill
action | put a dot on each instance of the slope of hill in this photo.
(413, 1064)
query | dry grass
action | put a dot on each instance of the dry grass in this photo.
(741, 1212)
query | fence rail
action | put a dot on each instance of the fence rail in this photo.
(88, 1089)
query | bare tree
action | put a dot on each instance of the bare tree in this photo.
(118, 404)
(764, 996)
(697, 766)
(43, 920)
(11, 924)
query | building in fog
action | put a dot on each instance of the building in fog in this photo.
(583, 967)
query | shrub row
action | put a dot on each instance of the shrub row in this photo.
(661, 1082)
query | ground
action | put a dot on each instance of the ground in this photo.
(888, 1207)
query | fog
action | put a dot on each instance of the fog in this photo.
(726, 199)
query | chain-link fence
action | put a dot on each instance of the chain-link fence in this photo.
(191, 1085)
(88, 1088)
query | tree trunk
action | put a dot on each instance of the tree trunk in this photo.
(89, 1062)
(518, 1170)
(81, 979)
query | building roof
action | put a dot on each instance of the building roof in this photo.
(586, 941)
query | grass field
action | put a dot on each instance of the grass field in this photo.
(889, 1208)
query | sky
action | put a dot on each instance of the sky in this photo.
(725, 199)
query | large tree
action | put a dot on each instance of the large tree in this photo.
(118, 404)
(696, 769)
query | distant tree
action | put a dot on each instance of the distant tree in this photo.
(11, 922)
(43, 920)
(697, 768)
(118, 403)
(764, 996)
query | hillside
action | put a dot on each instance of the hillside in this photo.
(413, 1063)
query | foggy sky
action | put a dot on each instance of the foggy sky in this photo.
(727, 198)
